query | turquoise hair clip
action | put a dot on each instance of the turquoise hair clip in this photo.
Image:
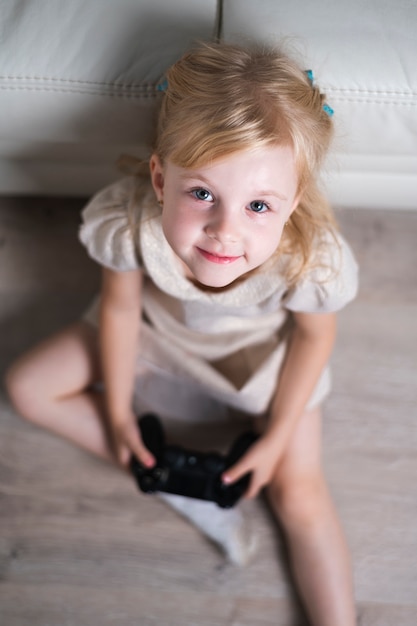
(326, 108)
(162, 86)
(310, 76)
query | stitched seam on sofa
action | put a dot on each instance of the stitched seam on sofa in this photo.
(151, 86)
(369, 92)
(374, 101)
(138, 96)
(150, 95)
(141, 85)
(148, 90)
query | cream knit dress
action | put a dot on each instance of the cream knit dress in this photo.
(228, 345)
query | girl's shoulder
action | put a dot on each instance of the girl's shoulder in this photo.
(111, 222)
(330, 280)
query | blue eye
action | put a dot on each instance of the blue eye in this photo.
(258, 206)
(202, 194)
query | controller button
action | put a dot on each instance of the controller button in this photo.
(192, 460)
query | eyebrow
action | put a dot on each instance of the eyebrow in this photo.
(272, 192)
(194, 175)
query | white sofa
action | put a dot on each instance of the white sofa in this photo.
(78, 85)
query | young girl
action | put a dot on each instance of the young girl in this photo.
(222, 267)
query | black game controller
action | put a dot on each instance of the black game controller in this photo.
(188, 473)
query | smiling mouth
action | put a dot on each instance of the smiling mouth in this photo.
(215, 258)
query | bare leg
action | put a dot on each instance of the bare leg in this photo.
(51, 386)
(319, 557)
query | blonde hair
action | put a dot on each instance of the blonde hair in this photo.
(222, 98)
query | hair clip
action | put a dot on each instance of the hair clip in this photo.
(310, 76)
(326, 108)
(163, 86)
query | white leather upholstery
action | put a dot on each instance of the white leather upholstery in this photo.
(77, 85)
(364, 56)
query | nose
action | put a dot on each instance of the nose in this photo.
(223, 225)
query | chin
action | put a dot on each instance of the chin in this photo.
(217, 282)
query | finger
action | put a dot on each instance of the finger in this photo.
(136, 446)
(235, 472)
(118, 451)
(238, 471)
(123, 455)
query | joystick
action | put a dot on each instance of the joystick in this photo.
(187, 472)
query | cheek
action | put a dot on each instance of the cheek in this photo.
(169, 226)
(178, 226)
(268, 241)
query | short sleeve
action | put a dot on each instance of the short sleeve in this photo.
(105, 230)
(331, 282)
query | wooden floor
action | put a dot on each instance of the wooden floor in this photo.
(80, 547)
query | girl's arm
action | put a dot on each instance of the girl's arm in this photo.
(120, 315)
(309, 350)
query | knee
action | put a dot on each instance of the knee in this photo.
(21, 389)
(299, 501)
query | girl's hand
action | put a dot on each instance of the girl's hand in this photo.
(261, 459)
(127, 441)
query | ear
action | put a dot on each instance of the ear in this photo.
(295, 204)
(157, 176)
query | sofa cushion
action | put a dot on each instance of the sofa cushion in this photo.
(77, 84)
(364, 58)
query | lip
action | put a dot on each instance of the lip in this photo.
(215, 258)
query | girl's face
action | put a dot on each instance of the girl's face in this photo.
(226, 219)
